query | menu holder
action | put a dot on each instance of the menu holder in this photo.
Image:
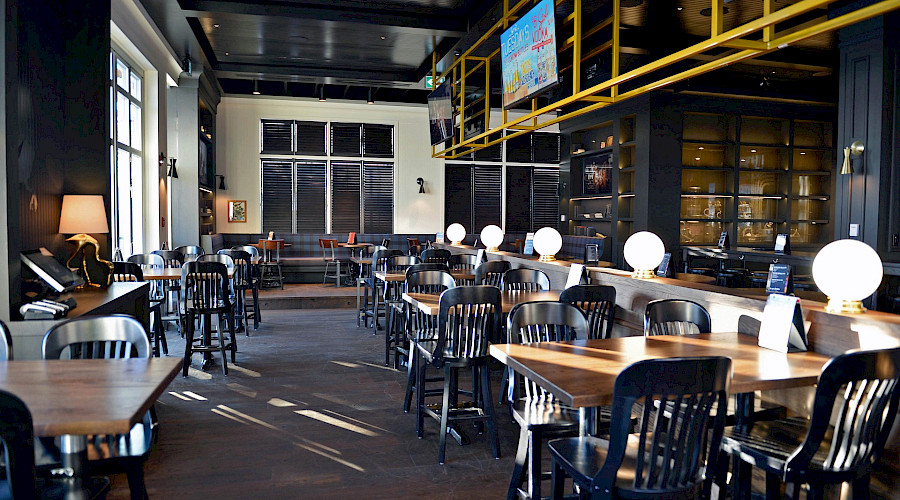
(351, 239)
(438, 237)
(724, 241)
(592, 254)
(663, 269)
(479, 257)
(271, 235)
(780, 279)
(782, 327)
(529, 244)
(577, 275)
(783, 244)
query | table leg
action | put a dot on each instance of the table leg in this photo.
(375, 307)
(742, 472)
(73, 455)
(206, 328)
(587, 421)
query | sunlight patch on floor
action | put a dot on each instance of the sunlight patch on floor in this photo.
(355, 420)
(179, 396)
(248, 417)
(280, 403)
(245, 371)
(198, 374)
(242, 389)
(321, 417)
(345, 363)
(373, 365)
(194, 395)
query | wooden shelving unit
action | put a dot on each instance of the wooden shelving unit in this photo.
(755, 177)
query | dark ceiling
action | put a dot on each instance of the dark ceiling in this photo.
(350, 48)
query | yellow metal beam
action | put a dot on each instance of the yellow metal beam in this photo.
(617, 21)
(598, 98)
(717, 19)
(768, 31)
(576, 48)
(748, 28)
(746, 45)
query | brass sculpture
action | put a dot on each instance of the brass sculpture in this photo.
(97, 272)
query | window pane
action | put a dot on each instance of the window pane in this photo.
(345, 196)
(458, 195)
(346, 139)
(310, 138)
(378, 141)
(487, 182)
(135, 126)
(136, 86)
(518, 199)
(123, 198)
(275, 137)
(121, 74)
(545, 198)
(137, 201)
(379, 197)
(122, 122)
(311, 187)
(277, 196)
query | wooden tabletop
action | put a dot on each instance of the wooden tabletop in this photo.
(428, 302)
(90, 396)
(362, 261)
(582, 373)
(170, 273)
(355, 245)
(458, 274)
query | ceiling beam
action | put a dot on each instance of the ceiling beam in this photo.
(441, 24)
(239, 71)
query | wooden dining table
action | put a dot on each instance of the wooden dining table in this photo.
(582, 373)
(81, 397)
(429, 303)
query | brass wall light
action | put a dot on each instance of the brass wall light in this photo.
(856, 149)
(421, 182)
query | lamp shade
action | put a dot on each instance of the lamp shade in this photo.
(847, 271)
(83, 214)
(547, 243)
(492, 237)
(643, 252)
(456, 232)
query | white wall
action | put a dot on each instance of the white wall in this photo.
(237, 156)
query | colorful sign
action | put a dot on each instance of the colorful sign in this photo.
(528, 54)
(429, 82)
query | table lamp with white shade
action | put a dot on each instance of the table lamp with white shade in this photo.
(456, 233)
(492, 237)
(643, 252)
(81, 215)
(847, 271)
(547, 243)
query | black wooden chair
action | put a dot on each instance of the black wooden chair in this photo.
(105, 337)
(436, 255)
(172, 259)
(675, 317)
(491, 272)
(678, 443)
(860, 388)
(6, 345)
(392, 290)
(525, 280)
(468, 317)
(462, 261)
(206, 294)
(536, 410)
(130, 272)
(21, 480)
(190, 252)
(420, 326)
(375, 286)
(242, 281)
(598, 303)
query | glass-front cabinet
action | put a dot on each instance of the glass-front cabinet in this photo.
(755, 177)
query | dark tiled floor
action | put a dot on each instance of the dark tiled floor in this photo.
(345, 435)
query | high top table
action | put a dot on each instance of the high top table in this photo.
(81, 397)
(582, 373)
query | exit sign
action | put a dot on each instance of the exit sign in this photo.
(429, 82)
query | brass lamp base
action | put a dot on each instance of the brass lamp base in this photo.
(838, 306)
(493, 249)
(547, 258)
(456, 243)
(97, 272)
(643, 274)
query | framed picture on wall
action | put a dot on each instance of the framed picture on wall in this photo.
(598, 174)
(237, 210)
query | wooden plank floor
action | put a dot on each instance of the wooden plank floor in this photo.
(310, 412)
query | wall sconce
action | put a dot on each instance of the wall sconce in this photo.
(421, 182)
(173, 173)
(221, 182)
(856, 149)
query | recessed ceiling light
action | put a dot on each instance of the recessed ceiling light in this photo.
(383, 37)
(679, 9)
(752, 150)
(215, 25)
(226, 53)
(701, 148)
(803, 153)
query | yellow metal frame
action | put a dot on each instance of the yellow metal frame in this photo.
(743, 49)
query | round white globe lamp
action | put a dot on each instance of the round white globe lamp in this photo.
(643, 252)
(492, 237)
(547, 243)
(847, 271)
(456, 233)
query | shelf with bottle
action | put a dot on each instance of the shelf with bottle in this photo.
(707, 155)
(762, 130)
(755, 232)
(706, 232)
